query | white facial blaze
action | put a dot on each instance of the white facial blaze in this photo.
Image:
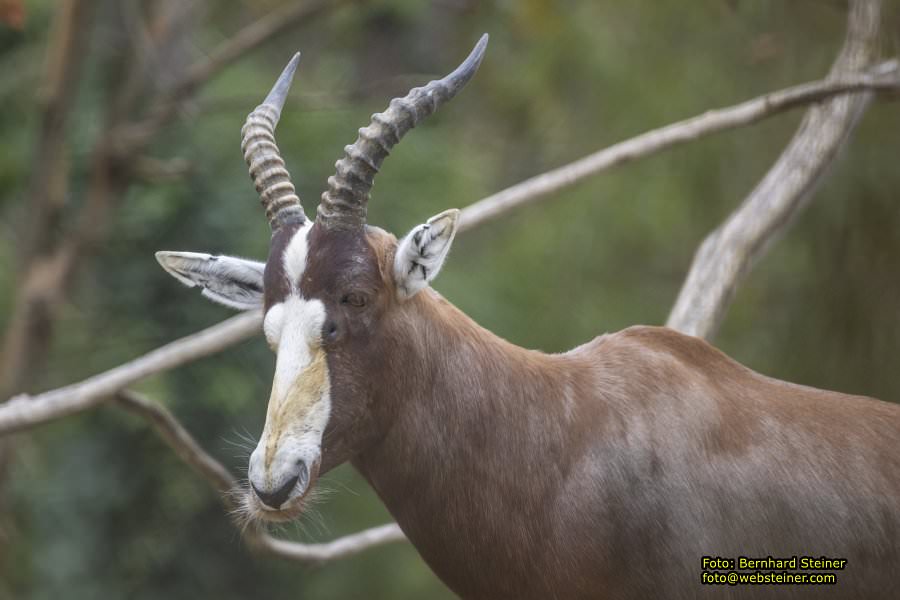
(293, 328)
(294, 258)
(300, 404)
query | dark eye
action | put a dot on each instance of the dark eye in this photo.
(354, 299)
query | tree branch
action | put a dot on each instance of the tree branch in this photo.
(47, 191)
(25, 411)
(135, 136)
(193, 454)
(65, 57)
(728, 253)
(343, 547)
(180, 441)
(883, 77)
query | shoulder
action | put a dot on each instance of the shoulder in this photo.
(656, 342)
(688, 348)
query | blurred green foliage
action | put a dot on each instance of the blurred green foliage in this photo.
(100, 508)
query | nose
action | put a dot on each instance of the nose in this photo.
(276, 497)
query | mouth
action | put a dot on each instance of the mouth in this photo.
(292, 508)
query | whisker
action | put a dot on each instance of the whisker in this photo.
(337, 482)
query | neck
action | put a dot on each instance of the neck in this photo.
(473, 449)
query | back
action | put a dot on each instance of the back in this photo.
(696, 455)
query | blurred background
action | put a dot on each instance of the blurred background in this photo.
(96, 506)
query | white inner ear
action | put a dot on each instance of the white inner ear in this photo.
(234, 282)
(422, 252)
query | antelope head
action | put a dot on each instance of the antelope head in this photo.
(328, 291)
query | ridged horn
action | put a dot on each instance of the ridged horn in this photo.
(270, 177)
(344, 203)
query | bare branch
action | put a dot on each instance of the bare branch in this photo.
(180, 440)
(340, 548)
(883, 77)
(249, 38)
(187, 448)
(47, 190)
(272, 24)
(157, 39)
(66, 55)
(54, 253)
(728, 253)
(26, 411)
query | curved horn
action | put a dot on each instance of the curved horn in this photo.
(271, 178)
(344, 203)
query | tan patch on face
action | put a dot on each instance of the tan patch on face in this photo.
(285, 411)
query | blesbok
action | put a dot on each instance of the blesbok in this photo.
(606, 471)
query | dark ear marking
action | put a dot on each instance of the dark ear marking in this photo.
(417, 238)
(420, 266)
(251, 286)
(421, 253)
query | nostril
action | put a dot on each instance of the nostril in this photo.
(303, 475)
(276, 498)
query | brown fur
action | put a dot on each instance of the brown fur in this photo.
(603, 472)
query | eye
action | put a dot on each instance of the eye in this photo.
(354, 299)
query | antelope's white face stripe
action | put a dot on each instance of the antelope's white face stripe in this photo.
(300, 404)
(293, 328)
(294, 257)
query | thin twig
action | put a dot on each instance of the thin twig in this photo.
(180, 440)
(728, 253)
(192, 453)
(136, 135)
(651, 142)
(22, 342)
(56, 97)
(343, 547)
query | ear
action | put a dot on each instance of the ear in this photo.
(420, 255)
(234, 282)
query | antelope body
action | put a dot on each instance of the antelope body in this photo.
(604, 472)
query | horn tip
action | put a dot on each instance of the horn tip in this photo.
(281, 88)
(465, 71)
(478, 52)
